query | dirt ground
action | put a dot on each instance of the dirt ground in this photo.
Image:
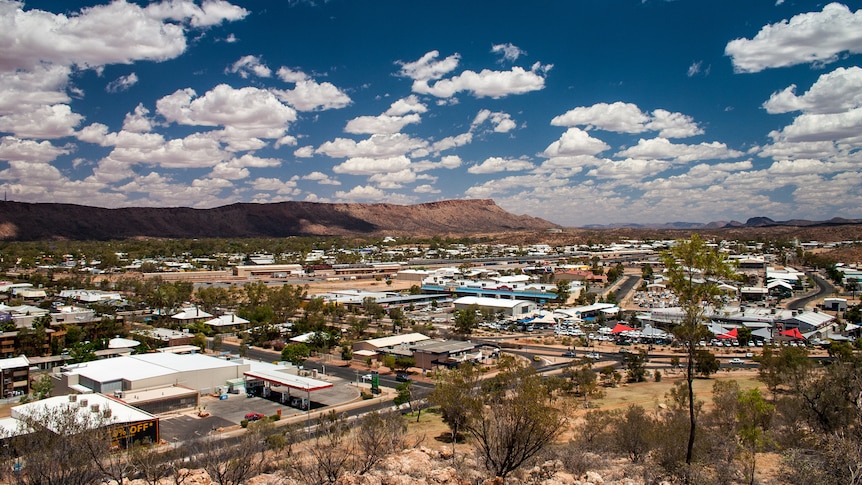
(431, 432)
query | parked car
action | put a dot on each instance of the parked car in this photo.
(253, 416)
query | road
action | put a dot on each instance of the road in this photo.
(824, 289)
(622, 289)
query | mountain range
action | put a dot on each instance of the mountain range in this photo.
(21, 221)
(750, 223)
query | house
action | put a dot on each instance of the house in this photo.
(226, 323)
(377, 346)
(191, 315)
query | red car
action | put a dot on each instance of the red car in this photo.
(253, 416)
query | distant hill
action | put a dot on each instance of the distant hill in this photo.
(750, 223)
(23, 221)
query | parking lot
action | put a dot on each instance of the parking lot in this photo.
(231, 411)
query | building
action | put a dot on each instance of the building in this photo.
(91, 296)
(368, 348)
(835, 304)
(753, 293)
(163, 337)
(191, 315)
(127, 424)
(142, 372)
(226, 323)
(507, 307)
(588, 312)
(268, 271)
(16, 376)
(808, 321)
(430, 354)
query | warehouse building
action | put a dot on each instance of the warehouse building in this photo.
(126, 376)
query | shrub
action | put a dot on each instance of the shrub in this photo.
(244, 423)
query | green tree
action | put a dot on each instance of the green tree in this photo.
(563, 291)
(790, 366)
(217, 343)
(296, 353)
(754, 415)
(635, 363)
(31, 341)
(42, 387)
(694, 271)
(200, 340)
(397, 317)
(705, 363)
(465, 320)
(372, 308)
(286, 301)
(456, 394)
(518, 419)
(403, 362)
(646, 271)
(632, 434)
(584, 381)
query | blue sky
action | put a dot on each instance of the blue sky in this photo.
(579, 112)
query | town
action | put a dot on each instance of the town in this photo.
(144, 339)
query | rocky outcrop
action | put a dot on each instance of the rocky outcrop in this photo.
(424, 466)
(25, 222)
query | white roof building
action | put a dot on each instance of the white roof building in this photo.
(510, 307)
(226, 320)
(191, 314)
(142, 371)
(809, 321)
(91, 296)
(377, 344)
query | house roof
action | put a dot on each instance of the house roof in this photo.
(191, 314)
(226, 321)
(408, 338)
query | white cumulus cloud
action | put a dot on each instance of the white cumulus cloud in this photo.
(812, 37)
(498, 164)
(833, 92)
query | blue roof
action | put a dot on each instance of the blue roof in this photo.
(464, 290)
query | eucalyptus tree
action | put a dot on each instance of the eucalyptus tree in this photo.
(695, 270)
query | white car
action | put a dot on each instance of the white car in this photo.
(736, 361)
